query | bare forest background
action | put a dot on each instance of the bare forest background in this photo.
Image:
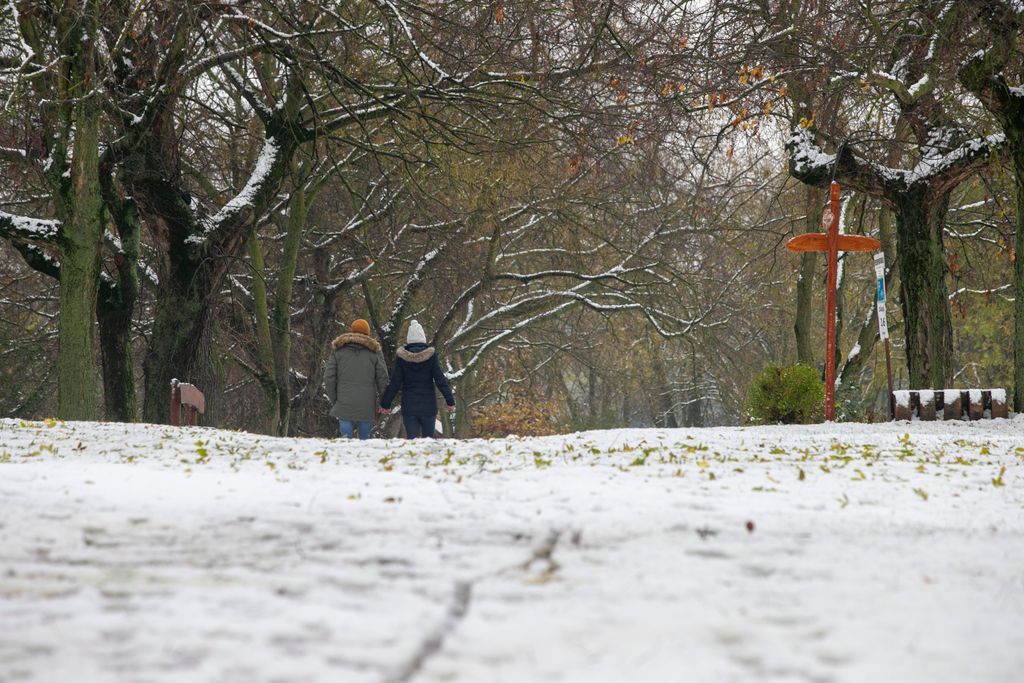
(584, 203)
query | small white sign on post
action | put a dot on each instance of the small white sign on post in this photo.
(883, 326)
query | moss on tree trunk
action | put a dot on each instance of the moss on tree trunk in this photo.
(927, 325)
(77, 376)
(280, 317)
(82, 230)
(264, 371)
(78, 386)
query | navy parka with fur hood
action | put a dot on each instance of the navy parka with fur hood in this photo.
(417, 371)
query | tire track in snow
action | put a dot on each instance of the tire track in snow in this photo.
(461, 598)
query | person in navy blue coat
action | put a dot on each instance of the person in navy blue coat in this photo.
(417, 372)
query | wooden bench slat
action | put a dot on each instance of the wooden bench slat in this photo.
(902, 403)
(187, 396)
(976, 404)
(949, 404)
(952, 405)
(191, 396)
(926, 404)
(999, 405)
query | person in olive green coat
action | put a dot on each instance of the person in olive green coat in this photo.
(355, 379)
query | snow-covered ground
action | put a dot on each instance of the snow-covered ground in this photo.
(825, 553)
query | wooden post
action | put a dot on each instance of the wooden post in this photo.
(888, 372)
(883, 325)
(831, 242)
(175, 404)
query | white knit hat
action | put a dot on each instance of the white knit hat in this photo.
(416, 334)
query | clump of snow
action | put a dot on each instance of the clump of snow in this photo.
(918, 88)
(828, 552)
(805, 153)
(902, 398)
(899, 69)
(999, 395)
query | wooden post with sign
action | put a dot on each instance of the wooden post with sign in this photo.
(832, 242)
(883, 326)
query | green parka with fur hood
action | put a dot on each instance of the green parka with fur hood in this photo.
(356, 377)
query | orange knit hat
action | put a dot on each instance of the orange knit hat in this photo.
(361, 327)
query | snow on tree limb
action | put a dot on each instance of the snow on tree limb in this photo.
(942, 161)
(28, 228)
(242, 207)
(413, 283)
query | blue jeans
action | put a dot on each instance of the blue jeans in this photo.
(418, 426)
(348, 428)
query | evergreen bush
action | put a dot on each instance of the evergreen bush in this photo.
(786, 394)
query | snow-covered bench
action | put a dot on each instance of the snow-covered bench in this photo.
(186, 396)
(949, 404)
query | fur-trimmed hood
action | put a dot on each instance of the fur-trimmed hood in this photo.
(356, 338)
(415, 356)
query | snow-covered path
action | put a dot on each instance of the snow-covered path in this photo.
(823, 553)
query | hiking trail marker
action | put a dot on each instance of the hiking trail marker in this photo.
(832, 242)
(883, 326)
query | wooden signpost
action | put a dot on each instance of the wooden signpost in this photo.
(832, 242)
(883, 325)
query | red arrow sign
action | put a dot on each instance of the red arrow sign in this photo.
(818, 241)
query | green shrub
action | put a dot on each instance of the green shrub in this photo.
(787, 394)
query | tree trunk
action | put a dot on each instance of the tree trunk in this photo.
(280, 322)
(463, 420)
(310, 408)
(921, 258)
(115, 318)
(666, 408)
(805, 282)
(694, 416)
(190, 274)
(77, 378)
(570, 402)
(1017, 145)
(78, 381)
(985, 76)
(180, 332)
(853, 367)
(264, 370)
(82, 233)
(115, 309)
(592, 409)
